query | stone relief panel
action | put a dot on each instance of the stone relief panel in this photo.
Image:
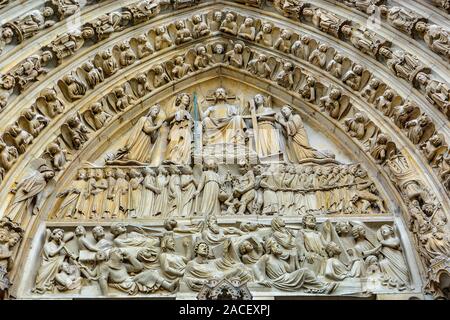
(270, 257)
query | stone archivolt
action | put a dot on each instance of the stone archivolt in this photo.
(297, 64)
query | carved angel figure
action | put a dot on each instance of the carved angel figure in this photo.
(180, 68)
(357, 126)
(420, 129)
(30, 193)
(229, 24)
(33, 122)
(260, 66)
(202, 59)
(284, 42)
(247, 30)
(72, 88)
(107, 63)
(200, 28)
(8, 155)
(353, 77)
(183, 34)
(264, 36)
(335, 65)
(319, 56)
(162, 38)
(94, 76)
(382, 148)
(18, 137)
(285, 77)
(384, 103)
(75, 132)
(434, 149)
(97, 117)
(55, 254)
(235, 56)
(143, 46)
(49, 104)
(334, 103)
(160, 76)
(56, 155)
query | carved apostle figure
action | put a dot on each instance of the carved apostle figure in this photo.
(264, 36)
(403, 64)
(74, 198)
(208, 188)
(436, 37)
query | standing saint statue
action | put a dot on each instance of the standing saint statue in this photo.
(142, 142)
(180, 135)
(209, 187)
(264, 125)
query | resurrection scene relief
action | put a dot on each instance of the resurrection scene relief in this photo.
(220, 181)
